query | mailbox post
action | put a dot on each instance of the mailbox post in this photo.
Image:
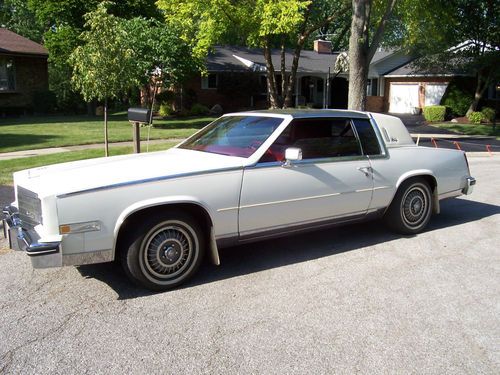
(138, 116)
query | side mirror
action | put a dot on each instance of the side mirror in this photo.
(292, 154)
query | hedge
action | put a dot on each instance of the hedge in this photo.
(475, 117)
(435, 113)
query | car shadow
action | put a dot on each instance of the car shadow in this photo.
(255, 257)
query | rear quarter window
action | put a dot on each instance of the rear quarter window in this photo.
(367, 137)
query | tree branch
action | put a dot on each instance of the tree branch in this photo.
(325, 21)
(377, 38)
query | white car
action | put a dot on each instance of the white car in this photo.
(244, 177)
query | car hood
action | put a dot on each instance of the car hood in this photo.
(89, 174)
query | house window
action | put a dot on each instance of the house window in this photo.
(372, 87)
(209, 81)
(7, 75)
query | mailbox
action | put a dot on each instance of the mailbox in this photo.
(142, 115)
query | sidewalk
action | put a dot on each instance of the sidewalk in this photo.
(415, 124)
(55, 150)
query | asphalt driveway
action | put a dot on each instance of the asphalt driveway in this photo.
(355, 299)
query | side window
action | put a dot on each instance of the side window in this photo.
(367, 136)
(317, 138)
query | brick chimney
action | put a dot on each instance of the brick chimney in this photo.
(323, 46)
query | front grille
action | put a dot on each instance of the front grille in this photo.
(30, 207)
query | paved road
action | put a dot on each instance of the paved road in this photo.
(355, 299)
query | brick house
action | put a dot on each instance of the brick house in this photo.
(236, 80)
(23, 71)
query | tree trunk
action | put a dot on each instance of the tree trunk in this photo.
(106, 145)
(358, 51)
(274, 100)
(293, 72)
(284, 81)
(481, 85)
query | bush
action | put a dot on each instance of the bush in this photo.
(198, 110)
(458, 97)
(165, 110)
(44, 101)
(475, 117)
(165, 96)
(488, 114)
(435, 113)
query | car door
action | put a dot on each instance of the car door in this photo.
(333, 181)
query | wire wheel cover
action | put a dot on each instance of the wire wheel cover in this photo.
(415, 206)
(167, 251)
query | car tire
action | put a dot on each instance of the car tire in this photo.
(411, 208)
(164, 251)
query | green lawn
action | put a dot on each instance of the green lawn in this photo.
(470, 129)
(7, 167)
(27, 133)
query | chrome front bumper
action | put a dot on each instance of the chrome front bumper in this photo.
(469, 187)
(23, 239)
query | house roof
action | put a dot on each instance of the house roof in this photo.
(15, 44)
(385, 62)
(242, 59)
(412, 69)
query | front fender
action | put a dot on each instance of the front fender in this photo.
(148, 203)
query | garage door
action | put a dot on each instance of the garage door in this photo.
(434, 92)
(403, 98)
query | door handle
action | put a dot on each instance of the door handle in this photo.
(366, 170)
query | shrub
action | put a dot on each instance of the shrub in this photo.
(475, 117)
(166, 96)
(165, 110)
(488, 114)
(435, 113)
(458, 97)
(198, 110)
(44, 101)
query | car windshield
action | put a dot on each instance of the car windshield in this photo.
(233, 135)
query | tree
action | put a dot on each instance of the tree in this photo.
(103, 65)
(255, 23)
(16, 16)
(62, 21)
(157, 46)
(367, 31)
(461, 36)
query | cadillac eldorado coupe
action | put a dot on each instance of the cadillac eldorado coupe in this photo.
(245, 177)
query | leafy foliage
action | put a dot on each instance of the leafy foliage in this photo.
(255, 23)
(156, 46)
(475, 117)
(435, 113)
(488, 114)
(460, 36)
(103, 65)
(18, 17)
(458, 97)
(61, 22)
(198, 110)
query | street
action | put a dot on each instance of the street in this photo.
(353, 299)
